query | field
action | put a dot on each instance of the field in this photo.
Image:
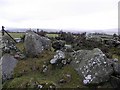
(52, 35)
(18, 35)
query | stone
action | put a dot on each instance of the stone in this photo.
(18, 40)
(7, 44)
(92, 66)
(8, 65)
(62, 81)
(115, 82)
(22, 56)
(69, 77)
(40, 86)
(68, 48)
(116, 66)
(35, 44)
(58, 57)
(53, 61)
(51, 87)
(45, 69)
(64, 62)
(115, 60)
(17, 56)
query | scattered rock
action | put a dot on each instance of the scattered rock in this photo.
(68, 48)
(17, 56)
(62, 81)
(64, 62)
(8, 45)
(40, 86)
(45, 69)
(69, 77)
(22, 56)
(115, 60)
(58, 57)
(115, 82)
(53, 61)
(18, 40)
(116, 66)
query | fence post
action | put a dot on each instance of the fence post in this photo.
(3, 30)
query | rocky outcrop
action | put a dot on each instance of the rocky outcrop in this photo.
(35, 44)
(8, 45)
(92, 66)
(8, 65)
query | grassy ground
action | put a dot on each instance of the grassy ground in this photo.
(116, 56)
(20, 46)
(29, 71)
(53, 77)
(18, 35)
(115, 53)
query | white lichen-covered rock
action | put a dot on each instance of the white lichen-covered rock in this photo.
(8, 65)
(35, 44)
(40, 86)
(53, 61)
(92, 66)
(59, 56)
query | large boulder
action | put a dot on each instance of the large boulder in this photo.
(8, 63)
(35, 44)
(92, 66)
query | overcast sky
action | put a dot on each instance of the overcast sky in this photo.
(59, 14)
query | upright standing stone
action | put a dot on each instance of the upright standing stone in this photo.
(35, 44)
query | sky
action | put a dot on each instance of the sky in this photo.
(59, 14)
